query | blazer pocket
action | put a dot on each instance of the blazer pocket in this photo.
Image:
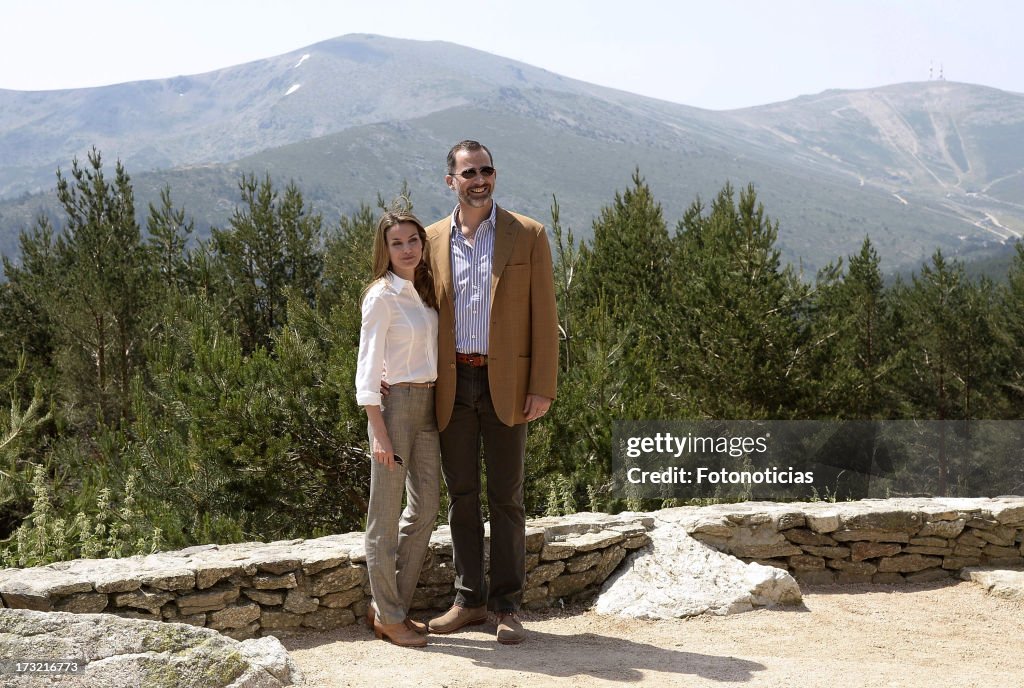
(515, 279)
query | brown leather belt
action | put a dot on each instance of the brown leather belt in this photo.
(418, 385)
(473, 360)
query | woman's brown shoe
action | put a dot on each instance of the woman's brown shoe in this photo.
(399, 634)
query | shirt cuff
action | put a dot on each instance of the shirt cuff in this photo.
(368, 398)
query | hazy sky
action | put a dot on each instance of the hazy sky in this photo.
(712, 54)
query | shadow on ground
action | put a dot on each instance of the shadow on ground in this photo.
(863, 588)
(600, 656)
(559, 656)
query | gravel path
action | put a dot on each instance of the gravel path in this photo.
(925, 636)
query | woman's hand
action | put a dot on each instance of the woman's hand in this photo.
(381, 449)
(383, 452)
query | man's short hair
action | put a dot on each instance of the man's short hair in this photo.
(469, 146)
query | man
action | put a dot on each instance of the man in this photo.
(497, 369)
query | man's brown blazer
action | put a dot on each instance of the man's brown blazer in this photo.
(522, 355)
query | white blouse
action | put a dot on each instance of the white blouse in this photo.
(397, 340)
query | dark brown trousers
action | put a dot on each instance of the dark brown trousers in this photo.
(504, 450)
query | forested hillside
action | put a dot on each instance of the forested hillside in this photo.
(162, 391)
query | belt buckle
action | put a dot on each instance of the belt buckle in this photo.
(473, 360)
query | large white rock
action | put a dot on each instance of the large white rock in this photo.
(124, 652)
(678, 576)
(1007, 583)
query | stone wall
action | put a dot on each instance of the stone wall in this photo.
(869, 541)
(252, 589)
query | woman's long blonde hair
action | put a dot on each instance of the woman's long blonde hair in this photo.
(423, 280)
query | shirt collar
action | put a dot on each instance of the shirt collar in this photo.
(491, 219)
(398, 284)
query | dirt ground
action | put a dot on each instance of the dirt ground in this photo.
(851, 637)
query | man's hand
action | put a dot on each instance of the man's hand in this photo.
(385, 388)
(536, 406)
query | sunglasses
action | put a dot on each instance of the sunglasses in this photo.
(471, 173)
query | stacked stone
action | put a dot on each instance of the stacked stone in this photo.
(239, 590)
(872, 541)
(252, 589)
(280, 588)
(568, 560)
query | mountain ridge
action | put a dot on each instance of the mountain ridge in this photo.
(916, 166)
(345, 69)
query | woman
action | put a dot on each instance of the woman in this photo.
(398, 343)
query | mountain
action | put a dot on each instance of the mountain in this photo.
(934, 139)
(229, 113)
(915, 166)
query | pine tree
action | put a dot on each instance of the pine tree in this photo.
(27, 338)
(347, 263)
(739, 343)
(949, 369)
(856, 353)
(169, 234)
(271, 246)
(627, 263)
(91, 283)
(610, 365)
(1011, 337)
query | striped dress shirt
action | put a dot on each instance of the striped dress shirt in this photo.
(471, 277)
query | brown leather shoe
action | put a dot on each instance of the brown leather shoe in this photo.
(510, 630)
(399, 634)
(410, 623)
(457, 617)
(414, 625)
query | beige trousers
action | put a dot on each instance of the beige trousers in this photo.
(396, 539)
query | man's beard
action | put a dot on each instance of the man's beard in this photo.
(475, 201)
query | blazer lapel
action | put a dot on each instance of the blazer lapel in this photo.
(441, 248)
(504, 239)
